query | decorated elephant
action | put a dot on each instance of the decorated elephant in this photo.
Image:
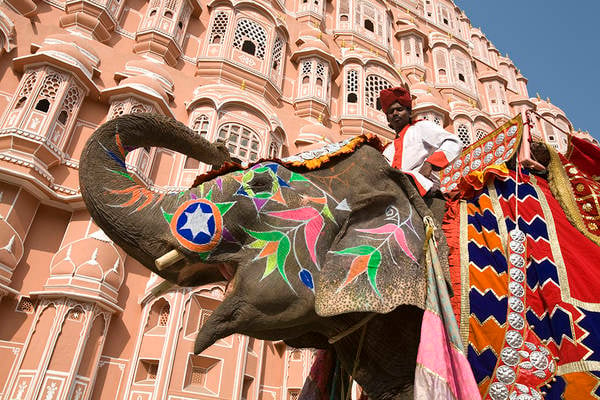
(326, 250)
(311, 248)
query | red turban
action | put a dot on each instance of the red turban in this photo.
(387, 97)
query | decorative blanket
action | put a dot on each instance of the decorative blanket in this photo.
(528, 303)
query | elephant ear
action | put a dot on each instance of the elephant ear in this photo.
(376, 261)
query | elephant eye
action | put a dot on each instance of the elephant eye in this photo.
(261, 183)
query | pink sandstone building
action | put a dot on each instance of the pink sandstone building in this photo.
(270, 77)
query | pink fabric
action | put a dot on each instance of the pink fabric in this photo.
(442, 370)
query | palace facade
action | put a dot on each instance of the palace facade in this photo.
(271, 78)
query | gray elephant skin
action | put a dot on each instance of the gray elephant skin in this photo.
(307, 252)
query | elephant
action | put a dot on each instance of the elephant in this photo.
(311, 248)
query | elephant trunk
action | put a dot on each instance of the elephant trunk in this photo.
(128, 212)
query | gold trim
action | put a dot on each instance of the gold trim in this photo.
(561, 188)
(465, 306)
(578, 366)
(565, 290)
(500, 218)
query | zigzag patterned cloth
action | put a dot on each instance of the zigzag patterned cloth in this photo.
(528, 306)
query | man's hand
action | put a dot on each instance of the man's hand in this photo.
(426, 169)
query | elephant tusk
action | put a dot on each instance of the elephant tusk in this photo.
(168, 259)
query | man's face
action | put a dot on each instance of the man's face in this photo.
(398, 116)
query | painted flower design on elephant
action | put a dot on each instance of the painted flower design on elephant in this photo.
(368, 257)
(275, 245)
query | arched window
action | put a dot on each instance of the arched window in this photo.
(48, 93)
(163, 317)
(464, 134)
(250, 38)
(462, 71)
(305, 71)
(219, 28)
(241, 141)
(549, 131)
(158, 317)
(274, 150)
(249, 47)
(43, 105)
(369, 25)
(428, 9)
(352, 86)
(75, 314)
(26, 89)
(71, 100)
(344, 7)
(320, 72)
(200, 125)
(62, 117)
(277, 53)
(375, 84)
(441, 66)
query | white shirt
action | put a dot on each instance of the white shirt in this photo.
(422, 141)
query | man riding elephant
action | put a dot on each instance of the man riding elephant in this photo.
(421, 147)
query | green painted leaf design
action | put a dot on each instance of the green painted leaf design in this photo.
(224, 207)
(372, 268)
(125, 174)
(373, 263)
(297, 177)
(358, 250)
(327, 212)
(270, 236)
(167, 216)
(271, 265)
(258, 244)
(282, 252)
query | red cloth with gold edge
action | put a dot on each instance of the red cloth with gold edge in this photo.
(582, 166)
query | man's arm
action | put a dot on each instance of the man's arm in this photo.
(446, 145)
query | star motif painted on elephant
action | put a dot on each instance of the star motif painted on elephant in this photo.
(199, 221)
(197, 225)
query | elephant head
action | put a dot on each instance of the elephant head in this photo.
(306, 250)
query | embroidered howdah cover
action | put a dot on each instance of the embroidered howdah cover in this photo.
(526, 292)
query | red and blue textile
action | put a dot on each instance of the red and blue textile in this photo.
(559, 343)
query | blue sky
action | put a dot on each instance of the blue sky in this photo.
(555, 44)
